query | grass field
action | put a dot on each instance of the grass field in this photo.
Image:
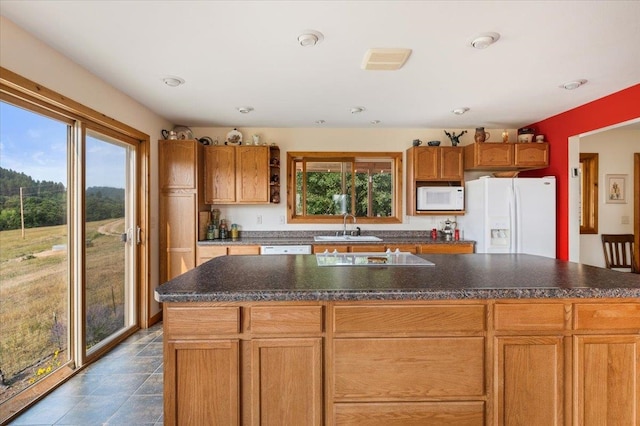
(34, 295)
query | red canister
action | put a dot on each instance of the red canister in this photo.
(456, 235)
(434, 234)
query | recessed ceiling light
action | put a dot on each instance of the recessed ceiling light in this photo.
(173, 81)
(485, 40)
(244, 109)
(570, 85)
(320, 121)
(310, 38)
(460, 111)
(357, 110)
(374, 122)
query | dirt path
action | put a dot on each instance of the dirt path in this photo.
(111, 228)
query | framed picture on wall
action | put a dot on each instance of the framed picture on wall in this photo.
(616, 187)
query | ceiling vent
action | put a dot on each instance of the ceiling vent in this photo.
(385, 59)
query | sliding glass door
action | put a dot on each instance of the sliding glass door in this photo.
(111, 238)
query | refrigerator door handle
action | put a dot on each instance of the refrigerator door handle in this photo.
(513, 237)
(518, 219)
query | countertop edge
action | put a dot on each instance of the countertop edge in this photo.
(395, 295)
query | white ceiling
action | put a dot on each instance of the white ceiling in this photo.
(245, 53)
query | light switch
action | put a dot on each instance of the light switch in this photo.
(624, 220)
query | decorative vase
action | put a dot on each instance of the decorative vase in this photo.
(481, 135)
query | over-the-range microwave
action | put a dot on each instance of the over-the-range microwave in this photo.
(429, 198)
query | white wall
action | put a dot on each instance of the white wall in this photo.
(340, 140)
(29, 57)
(615, 150)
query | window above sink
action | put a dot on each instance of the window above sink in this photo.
(323, 186)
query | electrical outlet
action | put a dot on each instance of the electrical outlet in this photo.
(259, 219)
(624, 220)
(281, 220)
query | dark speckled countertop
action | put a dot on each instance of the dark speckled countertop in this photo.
(466, 276)
(270, 238)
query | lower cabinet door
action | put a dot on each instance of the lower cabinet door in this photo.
(286, 382)
(607, 377)
(529, 385)
(463, 413)
(201, 383)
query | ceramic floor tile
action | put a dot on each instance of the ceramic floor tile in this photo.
(48, 411)
(92, 410)
(152, 386)
(124, 387)
(120, 384)
(138, 410)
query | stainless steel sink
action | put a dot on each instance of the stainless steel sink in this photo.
(346, 238)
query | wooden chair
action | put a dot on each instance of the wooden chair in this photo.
(618, 251)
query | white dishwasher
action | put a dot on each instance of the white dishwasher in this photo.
(291, 249)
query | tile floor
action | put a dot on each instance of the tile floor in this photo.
(122, 388)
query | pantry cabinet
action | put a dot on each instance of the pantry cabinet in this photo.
(506, 156)
(180, 181)
(236, 175)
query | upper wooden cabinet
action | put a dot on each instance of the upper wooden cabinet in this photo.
(177, 164)
(506, 156)
(236, 175)
(435, 163)
(432, 166)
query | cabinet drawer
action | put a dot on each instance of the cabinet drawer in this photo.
(408, 319)
(408, 369)
(596, 316)
(458, 248)
(199, 322)
(241, 250)
(530, 316)
(465, 413)
(286, 319)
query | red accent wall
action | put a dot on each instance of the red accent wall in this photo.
(612, 109)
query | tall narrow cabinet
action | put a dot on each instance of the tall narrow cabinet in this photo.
(181, 177)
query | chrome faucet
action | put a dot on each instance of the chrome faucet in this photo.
(344, 222)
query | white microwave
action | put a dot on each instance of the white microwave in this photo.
(440, 198)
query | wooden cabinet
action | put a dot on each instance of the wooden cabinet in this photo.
(274, 174)
(558, 363)
(506, 156)
(529, 380)
(408, 364)
(236, 175)
(263, 370)
(206, 253)
(606, 369)
(457, 248)
(180, 164)
(504, 362)
(432, 166)
(607, 377)
(435, 163)
(286, 381)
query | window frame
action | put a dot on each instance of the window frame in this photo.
(589, 193)
(26, 94)
(309, 156)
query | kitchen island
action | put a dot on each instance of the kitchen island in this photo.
(476, 339)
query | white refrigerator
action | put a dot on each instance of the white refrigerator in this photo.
(517, 215)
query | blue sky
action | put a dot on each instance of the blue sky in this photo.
(37, 146)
